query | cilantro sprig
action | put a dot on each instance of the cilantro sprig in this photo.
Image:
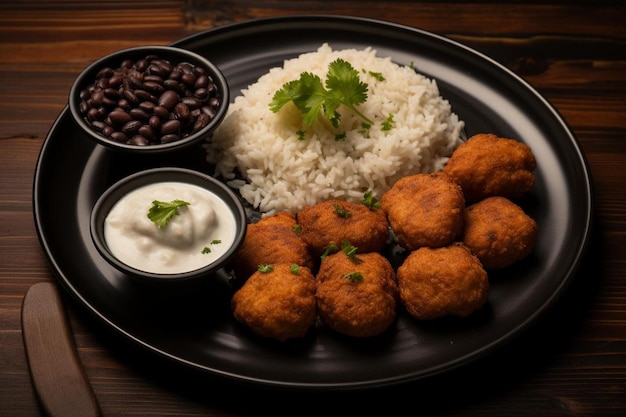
(315, 99)
(162, 212)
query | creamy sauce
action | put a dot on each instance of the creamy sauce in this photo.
(177, 247)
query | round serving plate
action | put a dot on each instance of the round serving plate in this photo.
(198, 330)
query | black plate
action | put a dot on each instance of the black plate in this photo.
(199, 332)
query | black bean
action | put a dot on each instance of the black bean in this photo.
(201, 93)
(155, 78)
(96, 98)
(201, 82)
(191, 102)
(92, 114)
(150, 101)
(161, 112)
(139, 114)
(120, 118)
(155, 123)
(147, 132)
(141, 65)
(176, 74)
(168, 99)
(188, 79)
(119, 136)
(173, 85)
(127, 63)
(143, 95)
(169, 138)
(182, 111)
(101, 113)
(147, 106)
(107, 130)
(98, 125)
(124, 104)
(135, 82)
(153, 87)
(131, 97)
(131, 127)
(171, 126)
(116, 80)
(208, 110)
(109, 102)
(138, 140)
(102, 83)
(84, 107)
(157, 70)
(104, 72)
(202, 120)
(111, 93)
(199, 71)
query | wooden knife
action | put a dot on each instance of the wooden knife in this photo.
(58, 376)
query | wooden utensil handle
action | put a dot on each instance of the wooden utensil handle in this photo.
(58, 376)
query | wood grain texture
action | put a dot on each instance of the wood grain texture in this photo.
(573, 363)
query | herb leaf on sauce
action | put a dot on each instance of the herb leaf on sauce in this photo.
(162, 212)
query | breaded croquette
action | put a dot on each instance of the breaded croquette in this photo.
(487, 165)
(277, 301)
(333, 222)
(424, 210)
(439, 282)
(271, 240)
(356, 295)
(499, 232)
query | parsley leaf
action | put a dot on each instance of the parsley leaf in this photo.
(161, 212)
(388, 124)
(314, 99)
(354, 277)
(350, 251)
(341, 212)
(370, 201)
(332, 248)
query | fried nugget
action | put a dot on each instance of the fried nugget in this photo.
(272, 239)
(333, 222)
(424, 210)
(487, 165)
(439, 282)
(499, 232)
(356, 295)
(279, 303)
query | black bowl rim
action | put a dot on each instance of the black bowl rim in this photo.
(171, 53)
(162, 174)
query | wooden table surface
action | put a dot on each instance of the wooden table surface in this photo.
(572, 363)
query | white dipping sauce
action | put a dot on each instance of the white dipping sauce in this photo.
(181, 245)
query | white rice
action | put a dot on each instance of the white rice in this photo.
(259, 153)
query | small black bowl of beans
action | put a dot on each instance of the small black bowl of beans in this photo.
(149, 99)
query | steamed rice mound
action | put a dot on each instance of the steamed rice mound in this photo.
(275, 169)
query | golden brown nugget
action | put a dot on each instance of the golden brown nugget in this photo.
(333, 222)
(273, 239)
(448, 281)
(424, 210)
(487, 165)
(357, 297)
(279, 303)
(499, 232)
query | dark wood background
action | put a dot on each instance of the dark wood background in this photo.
(573, 363)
